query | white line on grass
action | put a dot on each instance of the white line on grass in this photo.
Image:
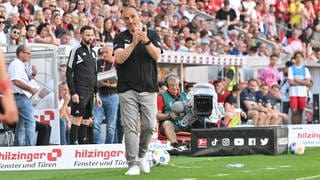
(273, 168)
(185, 167)
(285, 166)
(247, 171)
(189, 178)
(222, 175)
(309, 177)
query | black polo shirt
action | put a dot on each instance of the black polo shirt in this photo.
(139, 71)
(246, 95)
(263, 99)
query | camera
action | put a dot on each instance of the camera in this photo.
(201, 104)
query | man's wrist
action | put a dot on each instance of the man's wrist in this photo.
(169, 116)
(146, 42)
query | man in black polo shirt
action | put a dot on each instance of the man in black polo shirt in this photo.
(269, 98)
(136, 51)
(264, 102)
(248, 102)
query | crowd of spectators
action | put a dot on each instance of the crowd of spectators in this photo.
(266, 26)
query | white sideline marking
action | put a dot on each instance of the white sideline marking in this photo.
(273, 168)
(309, 177)
(189, 178)
(247, 171)
(222, 175)
(185, 167)
(285, 166)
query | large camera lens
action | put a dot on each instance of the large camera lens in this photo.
(202, 105)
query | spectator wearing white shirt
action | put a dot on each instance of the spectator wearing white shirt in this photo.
(256, 17)
(3, 11)
(75, 41)
(299, 78)
(247, 6)
(3, 36)
(20, 77)
(11, 6)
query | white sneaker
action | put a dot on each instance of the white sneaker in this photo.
(133, 171)
(144, 165)
(180, 148)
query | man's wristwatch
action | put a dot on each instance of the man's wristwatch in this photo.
(147, 43)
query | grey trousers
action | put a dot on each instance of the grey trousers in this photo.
(133, 104)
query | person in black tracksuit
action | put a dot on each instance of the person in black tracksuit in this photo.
(82, 82)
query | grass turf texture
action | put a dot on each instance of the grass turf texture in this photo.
(277, 167)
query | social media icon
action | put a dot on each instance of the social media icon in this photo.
(238, 141)
(251, 141)
(225, 142)
(264, 141)
(214, 142)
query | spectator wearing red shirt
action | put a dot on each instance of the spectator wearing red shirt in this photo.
(24, 17)
(294, 43)
(211, 6)
(221, 93)
(66, 21)
(316, 6)
(282, 10)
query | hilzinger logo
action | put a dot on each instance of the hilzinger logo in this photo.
(13, 156)
(53, 156)
(85, 153)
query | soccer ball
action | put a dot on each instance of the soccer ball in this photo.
(297, 148)
(160, 157)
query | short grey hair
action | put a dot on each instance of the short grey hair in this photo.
(172, 77)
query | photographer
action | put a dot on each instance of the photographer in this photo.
(170, 122)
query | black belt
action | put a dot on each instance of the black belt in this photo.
(19, 94)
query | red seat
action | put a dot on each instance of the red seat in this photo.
(182, 136)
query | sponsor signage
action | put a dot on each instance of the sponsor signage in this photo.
(158, 144)
(239, 141)
(309, 134)
(62, 157)
(50, 117)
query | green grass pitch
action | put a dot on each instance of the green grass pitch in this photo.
(257, 167)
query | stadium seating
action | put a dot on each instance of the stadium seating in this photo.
(182, 136)
(6, 135)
